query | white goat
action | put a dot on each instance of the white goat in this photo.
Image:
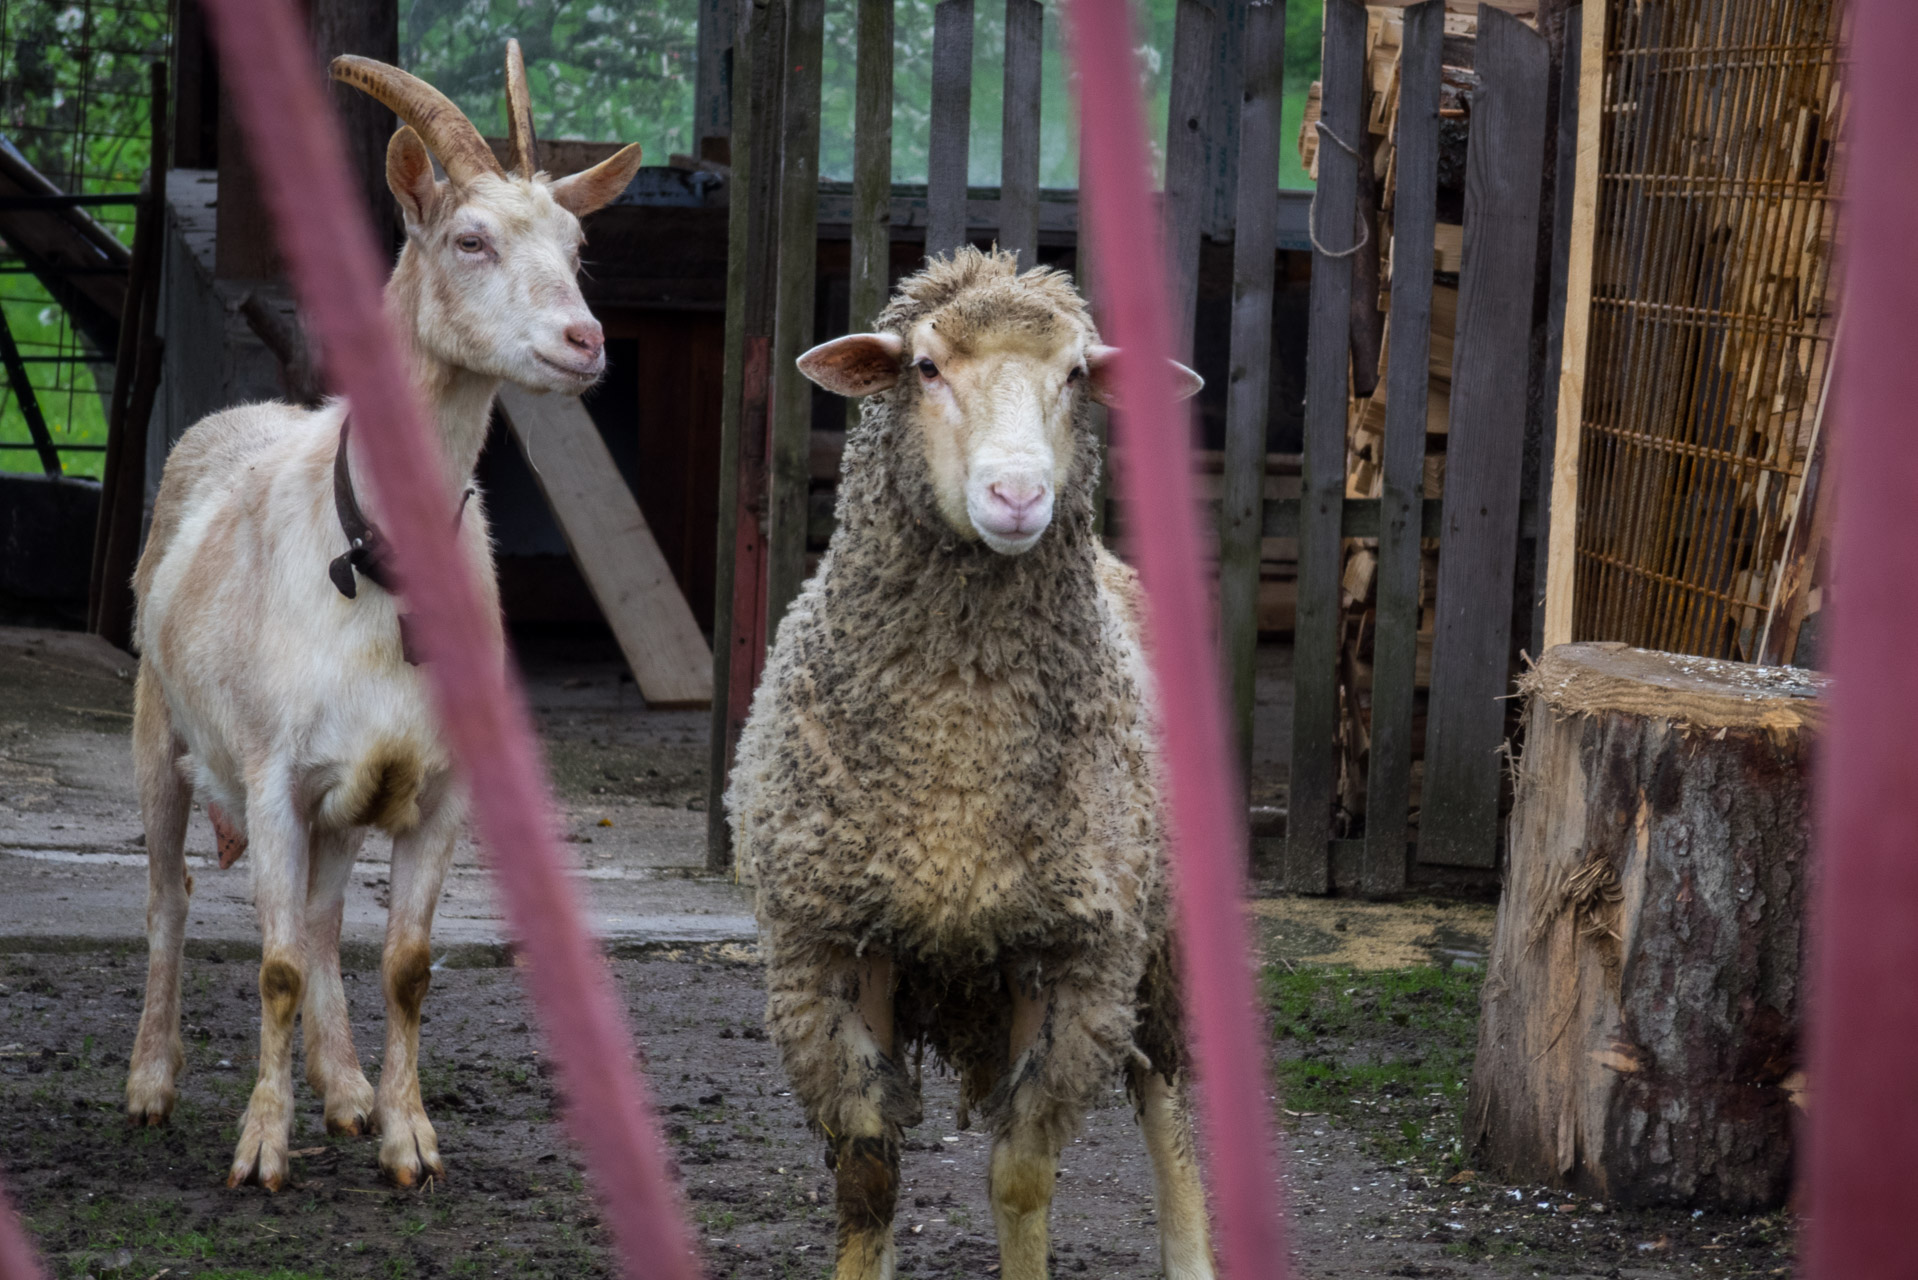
(274, 680)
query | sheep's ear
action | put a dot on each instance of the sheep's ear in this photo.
(856, 365)
(409, 173)
(1100, 362)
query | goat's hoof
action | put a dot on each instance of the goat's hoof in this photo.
(409, 1150)
(261, 1156)
(149, 1101)
(346, 1126)
(349, 1106)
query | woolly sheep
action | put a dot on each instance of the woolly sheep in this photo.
(947, 792)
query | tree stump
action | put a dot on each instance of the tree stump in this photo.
(1638, 1039)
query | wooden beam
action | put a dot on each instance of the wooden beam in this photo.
(1019, 149)
(1248, 390)
(739, 575)
(713, 82)
(1563, 531)
(1388, 782)
(1188, 188)
(1564, 204)
(1471, 650)
(1225, 102)
(793, 321)
(370, 28)
(1315, 707)
(946, 151)
(872, 174)
(613, 547)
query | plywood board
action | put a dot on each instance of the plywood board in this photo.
(613, 547)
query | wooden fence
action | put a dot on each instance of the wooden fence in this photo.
(1222, 150)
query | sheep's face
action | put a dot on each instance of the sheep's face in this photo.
(994, 415)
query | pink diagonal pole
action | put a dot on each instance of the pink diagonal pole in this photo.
(17, 1261)
(1208, 813)
(1864, 1005)
(295, 145)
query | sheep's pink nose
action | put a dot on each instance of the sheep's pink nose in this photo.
(1017, 497)
(586, 338)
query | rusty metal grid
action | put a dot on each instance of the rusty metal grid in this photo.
(1712, 315)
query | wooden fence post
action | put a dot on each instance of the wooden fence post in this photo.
(1019, 151)
(1248, 392)
(739, 579)
(1471, 650)
(1564, 206)
(946, 151)
(1188, 188)
(1388, 782)
(712, 84)
(871, 171)
(1315, 706)
(793, 323)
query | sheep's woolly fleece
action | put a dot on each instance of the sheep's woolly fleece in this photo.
(951, 759)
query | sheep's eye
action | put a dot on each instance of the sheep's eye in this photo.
(471, 244)
(928, 370)
(1075, 375)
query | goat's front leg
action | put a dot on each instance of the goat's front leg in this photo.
(409, 1149)
(332, 1063)
(279, 841)
(833, 1021)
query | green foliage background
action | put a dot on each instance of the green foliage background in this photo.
(73, 100)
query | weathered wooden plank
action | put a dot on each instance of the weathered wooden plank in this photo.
(871, 172)
(793, 309)
(739, 641)
(1195, 36)
(947, 149)
(1315, 715)
(1248, 392)
(1388, 782)
(1225, 100)
(1562, 561)
(1465, 722)
(613, 547)
(712, 82)
(1564, 202)
(1019, 149)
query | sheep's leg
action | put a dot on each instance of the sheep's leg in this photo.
(1185, 1247)
(865, 1148)
(1025, 1156)
(409, 1149)
(332, 1063)
(165, 800)
(278, 838)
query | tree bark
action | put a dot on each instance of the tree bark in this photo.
(1638, 1040)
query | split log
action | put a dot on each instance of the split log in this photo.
(1638, 1039)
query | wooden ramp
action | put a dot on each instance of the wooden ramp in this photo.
(613, 547)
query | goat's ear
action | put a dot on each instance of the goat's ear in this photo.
(856, 365)
(1100, 361)
(409, 172)
(597, 187)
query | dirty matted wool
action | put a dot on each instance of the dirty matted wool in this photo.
(951, 759)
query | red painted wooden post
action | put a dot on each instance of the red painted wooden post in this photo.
(1206, 798)
(1864, 1023)
(295, 143)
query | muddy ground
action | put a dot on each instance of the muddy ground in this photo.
(1373, 1011)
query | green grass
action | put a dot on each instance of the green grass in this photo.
(1387, 1053)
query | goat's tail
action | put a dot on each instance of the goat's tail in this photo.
(382, 790)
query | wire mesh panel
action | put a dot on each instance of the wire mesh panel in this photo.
(73, 104)
(1712, 317)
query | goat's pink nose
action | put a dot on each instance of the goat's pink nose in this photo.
(1016, 497)
(587, 338)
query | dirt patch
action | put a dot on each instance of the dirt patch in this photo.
(1374, 936)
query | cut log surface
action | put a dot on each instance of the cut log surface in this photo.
(1638, 1039)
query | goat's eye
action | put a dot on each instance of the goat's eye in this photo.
(928, 370)
(471, 244)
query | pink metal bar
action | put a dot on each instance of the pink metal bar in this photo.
(1208, 814)
(1864, 1007)
(17, 1260)
(294, 141)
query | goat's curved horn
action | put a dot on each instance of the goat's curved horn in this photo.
(443, 126)
(522, 144)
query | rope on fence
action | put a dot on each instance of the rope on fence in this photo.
(1208, 831)
(295, 144)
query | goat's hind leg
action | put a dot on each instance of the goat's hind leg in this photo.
(332, 1063)
(166, 798)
